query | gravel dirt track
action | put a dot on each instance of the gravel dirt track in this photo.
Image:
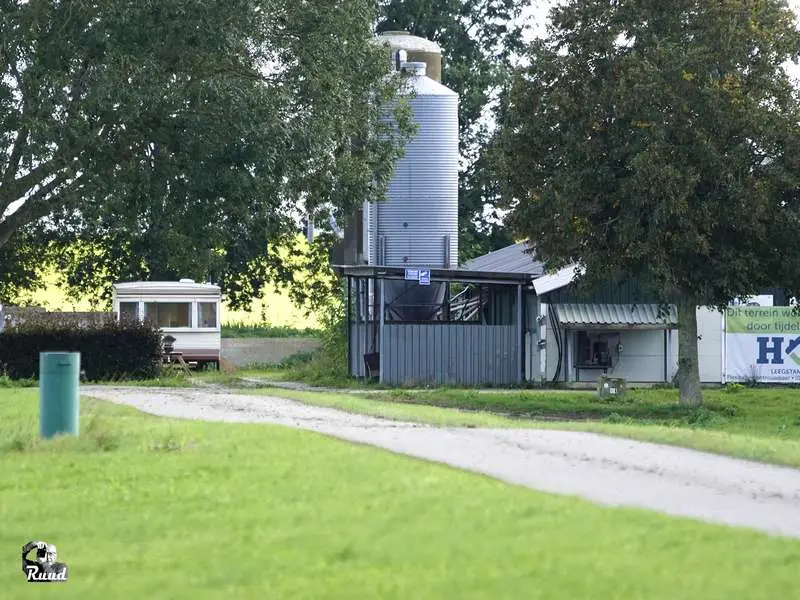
(602, 469)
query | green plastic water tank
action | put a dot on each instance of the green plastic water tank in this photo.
(59, 393)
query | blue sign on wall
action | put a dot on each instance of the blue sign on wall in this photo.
(424, 277)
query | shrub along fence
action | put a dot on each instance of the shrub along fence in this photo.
(109, 350)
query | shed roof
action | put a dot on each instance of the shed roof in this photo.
(517, 258)
(633, 316)
(187, 287)
(458, 275)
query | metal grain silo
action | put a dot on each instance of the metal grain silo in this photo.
(417, 226)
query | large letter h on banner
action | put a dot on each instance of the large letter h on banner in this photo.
(764, 350)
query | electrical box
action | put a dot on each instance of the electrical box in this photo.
(611, 387)
(593, 349)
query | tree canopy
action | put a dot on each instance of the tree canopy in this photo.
(183, 138)
(479, 39)
(660, 140)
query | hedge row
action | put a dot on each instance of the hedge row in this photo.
(110, 350)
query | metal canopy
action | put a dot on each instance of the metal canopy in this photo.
(457, 275)
(621, 316)
(517, 258)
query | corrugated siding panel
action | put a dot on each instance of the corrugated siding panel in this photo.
(361, 343)
(531, 311)
(531, 352)
(422, 204)
(450, 354)
(372, 229)
(614, 314)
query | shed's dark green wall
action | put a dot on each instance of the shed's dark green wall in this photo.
(625, 291)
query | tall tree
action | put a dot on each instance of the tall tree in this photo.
(181, 137)
(479, 39)
(660, 140)
(20, 273)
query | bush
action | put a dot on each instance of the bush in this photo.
(109, 350)
(298, 358)
(328, 364)
(615, 417)
(7, 382)
(703, 417)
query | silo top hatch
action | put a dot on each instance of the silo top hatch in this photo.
(417, 49)
(402, 40)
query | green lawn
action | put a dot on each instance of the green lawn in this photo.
(142, 507)
(771, 412)
(757, 424)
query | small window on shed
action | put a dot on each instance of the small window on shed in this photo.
(128, 311)
(169, 314)
(206, 314)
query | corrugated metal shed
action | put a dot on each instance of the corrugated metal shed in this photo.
(511, 259)
(639, 316)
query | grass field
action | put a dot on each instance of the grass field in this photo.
(264, 330)
(772, 412)
(757, 424)
(142, 507)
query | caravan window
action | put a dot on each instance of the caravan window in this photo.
(168, 314)
(128, 311)
(206, 314)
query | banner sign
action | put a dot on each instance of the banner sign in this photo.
(762, 344)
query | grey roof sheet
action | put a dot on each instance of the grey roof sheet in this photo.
(460, 274)
(627, 315)
(511, 259)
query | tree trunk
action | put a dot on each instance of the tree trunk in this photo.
(688, 364)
